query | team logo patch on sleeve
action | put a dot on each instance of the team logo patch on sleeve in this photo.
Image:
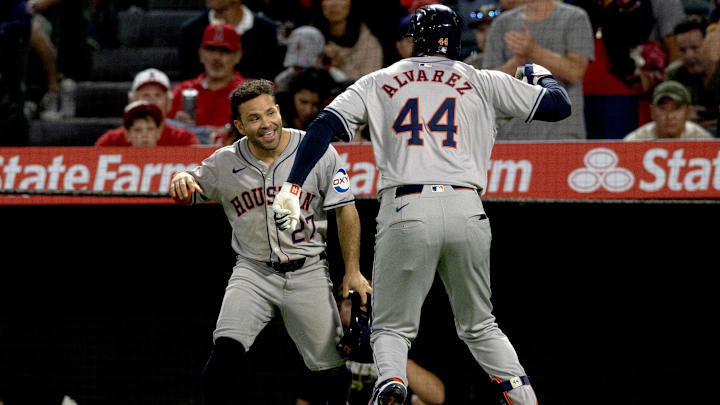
(341, 181)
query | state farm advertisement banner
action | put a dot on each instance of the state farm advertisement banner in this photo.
(553, 170)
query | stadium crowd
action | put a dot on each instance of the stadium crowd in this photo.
(56, 57)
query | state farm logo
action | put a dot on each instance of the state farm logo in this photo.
(601, 171)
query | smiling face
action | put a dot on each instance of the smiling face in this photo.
(260, 120)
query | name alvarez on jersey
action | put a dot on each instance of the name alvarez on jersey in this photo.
(422, 75)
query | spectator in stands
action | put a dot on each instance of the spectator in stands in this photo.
(151, 86)
(480, 20)
(69, 20)
(261, 55)
(670, 112)
(304, 50)
(616, 90)
(404, 43)
(351, 47)
(45, 50)
(555, 35)
(15, 25)
(142, 121)
(219, 53)
(699, 74)
(308, 92)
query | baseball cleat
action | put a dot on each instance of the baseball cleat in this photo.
(389, 392)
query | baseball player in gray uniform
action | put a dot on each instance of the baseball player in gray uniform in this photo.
(276, 273)
(432, 123)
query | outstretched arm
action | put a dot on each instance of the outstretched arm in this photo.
(311, 149)
(313, 146)
(555, 104)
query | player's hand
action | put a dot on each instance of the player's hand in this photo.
(531, 73)
(521, 43)
(287, 207)
(354, 280)
(182, 187)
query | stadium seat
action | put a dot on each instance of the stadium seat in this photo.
(121, 64)
(70, 131)
(101, 99)
(153, 28)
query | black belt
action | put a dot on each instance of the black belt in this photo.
(291, 265)
(418, 188)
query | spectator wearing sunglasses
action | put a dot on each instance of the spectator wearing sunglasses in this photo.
(480, 21)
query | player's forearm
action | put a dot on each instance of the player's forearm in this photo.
(555, 104)
(567, 69)
(348, 225)
(313, 146)
(426, 385)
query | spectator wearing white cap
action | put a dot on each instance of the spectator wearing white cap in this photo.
(670, 112)
(152, 86)
(305, 50)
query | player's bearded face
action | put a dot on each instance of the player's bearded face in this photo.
(261, 122)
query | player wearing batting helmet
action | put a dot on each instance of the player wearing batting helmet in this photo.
(433, 122)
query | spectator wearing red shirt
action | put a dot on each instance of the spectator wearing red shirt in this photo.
(142, 127)
(152, 86)
(219, 53)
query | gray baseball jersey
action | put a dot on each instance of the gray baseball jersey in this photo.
(433, 120)
(432, 125)
(256, 293)
(246, 189)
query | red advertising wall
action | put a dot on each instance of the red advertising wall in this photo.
(551, 170)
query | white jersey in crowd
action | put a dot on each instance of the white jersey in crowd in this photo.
(246, 189)
(432, 120)
(647, 132)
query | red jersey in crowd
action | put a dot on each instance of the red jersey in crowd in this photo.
(171, 136)
(213, 106)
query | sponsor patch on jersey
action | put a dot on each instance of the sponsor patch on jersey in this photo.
(341, 181)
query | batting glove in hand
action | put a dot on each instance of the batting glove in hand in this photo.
(287, 207)
(531, 73)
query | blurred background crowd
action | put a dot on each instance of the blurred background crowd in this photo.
(159, 72)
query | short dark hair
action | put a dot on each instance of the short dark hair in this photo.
(141, 110)
(248, 91)
(314, 79)
(692, 22)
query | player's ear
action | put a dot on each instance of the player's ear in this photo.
(239, 126)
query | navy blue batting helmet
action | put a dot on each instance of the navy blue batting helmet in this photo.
(355, 343)
(436, 29)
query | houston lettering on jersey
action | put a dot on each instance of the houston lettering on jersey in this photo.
(255, 197)
(421, 75)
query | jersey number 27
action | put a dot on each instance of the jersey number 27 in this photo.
(408, 120)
